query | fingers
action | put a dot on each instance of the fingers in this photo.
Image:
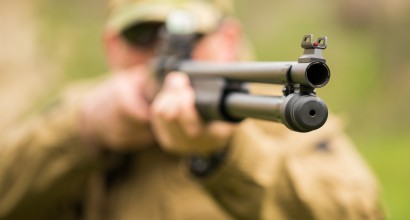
(177, 124)
(175, 120)
(170, 135)
(176, 103)
(189, 119)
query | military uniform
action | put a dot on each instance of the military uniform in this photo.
(47, 171)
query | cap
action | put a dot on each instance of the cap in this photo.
(203, 14)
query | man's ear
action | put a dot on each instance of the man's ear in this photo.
(114, 49)
(222, 45)
(231, 34)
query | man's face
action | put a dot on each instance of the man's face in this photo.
(220, 45)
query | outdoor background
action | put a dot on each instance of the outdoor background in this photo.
(46, 43)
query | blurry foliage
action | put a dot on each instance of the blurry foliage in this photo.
(388, 156)
(368, 52)
(72, 33)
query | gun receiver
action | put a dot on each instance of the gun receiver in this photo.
(221, 88)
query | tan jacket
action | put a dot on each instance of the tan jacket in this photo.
(46, 172)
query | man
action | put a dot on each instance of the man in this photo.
(130, 148)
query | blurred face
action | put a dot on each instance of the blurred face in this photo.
(121, 54)
(221, 45)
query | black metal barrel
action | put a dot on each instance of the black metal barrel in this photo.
(314, 74)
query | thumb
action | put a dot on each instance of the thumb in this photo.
(175, 80)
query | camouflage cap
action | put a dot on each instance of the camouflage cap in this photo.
(206, 14)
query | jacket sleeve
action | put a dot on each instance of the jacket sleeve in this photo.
(273, 173)
(43, 161)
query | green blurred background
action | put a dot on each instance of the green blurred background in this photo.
(45, 44)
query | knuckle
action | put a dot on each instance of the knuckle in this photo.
(156, 109)
(176, 80)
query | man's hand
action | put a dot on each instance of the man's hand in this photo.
(116, 115)
(177, 125)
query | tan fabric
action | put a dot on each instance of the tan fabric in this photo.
(43, 163)
(205, 14)
(46, 172)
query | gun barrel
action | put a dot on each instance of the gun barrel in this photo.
(302, 113)
(314, 74)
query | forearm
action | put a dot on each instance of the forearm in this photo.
(243, 180)
(271, 173)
